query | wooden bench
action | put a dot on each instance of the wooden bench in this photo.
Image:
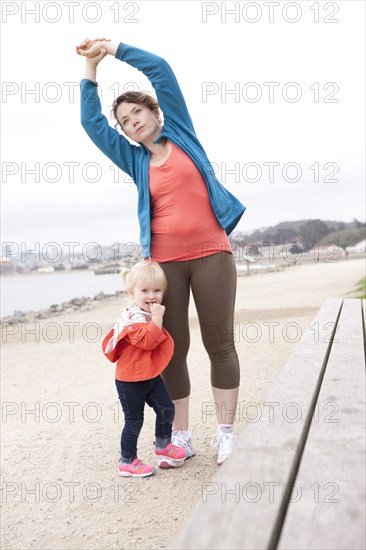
(296, 479)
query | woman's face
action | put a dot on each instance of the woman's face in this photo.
(138, 122)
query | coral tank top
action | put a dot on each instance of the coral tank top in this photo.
(183, 224)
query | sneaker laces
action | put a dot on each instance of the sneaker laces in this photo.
(179, 441)
(224, 442)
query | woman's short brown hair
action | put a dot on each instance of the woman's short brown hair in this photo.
(140, 98)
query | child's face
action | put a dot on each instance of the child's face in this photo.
(147, 295)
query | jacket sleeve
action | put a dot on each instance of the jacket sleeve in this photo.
(111, 352)
(164, 82)
(115, 146)
(146, 336)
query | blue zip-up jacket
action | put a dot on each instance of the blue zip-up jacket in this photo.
(178, 128)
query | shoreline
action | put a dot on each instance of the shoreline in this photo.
(86, 303)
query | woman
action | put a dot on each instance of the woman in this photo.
(185, 215)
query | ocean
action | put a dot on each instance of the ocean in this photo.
(37, 291)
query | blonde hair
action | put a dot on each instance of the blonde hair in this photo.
(144, 274)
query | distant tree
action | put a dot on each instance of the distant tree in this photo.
(312, 232)
(341, 226)
(346, 237)
(357, 224)
(287, 235)
(257, 235)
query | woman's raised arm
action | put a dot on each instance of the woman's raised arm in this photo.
(115, 146)
(94, 51)
(164, 82)
(155, 68)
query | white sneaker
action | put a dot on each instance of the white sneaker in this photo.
(184, 440)
(224, 443)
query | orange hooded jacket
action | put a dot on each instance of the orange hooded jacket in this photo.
(142, 350)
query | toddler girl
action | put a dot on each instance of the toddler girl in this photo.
(142, 349)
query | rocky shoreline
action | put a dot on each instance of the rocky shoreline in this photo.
(85, 303)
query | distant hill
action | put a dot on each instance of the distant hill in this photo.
(346, 237)
(307, 233)
(334, 225)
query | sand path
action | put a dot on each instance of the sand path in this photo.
(61, 419)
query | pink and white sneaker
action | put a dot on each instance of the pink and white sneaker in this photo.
(171, 456)
(136, 469)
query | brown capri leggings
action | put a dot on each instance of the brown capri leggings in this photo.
(213, 283)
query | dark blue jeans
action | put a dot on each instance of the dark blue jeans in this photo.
(133, 396)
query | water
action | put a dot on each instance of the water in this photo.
(40, 290)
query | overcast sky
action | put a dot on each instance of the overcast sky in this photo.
(275, 89)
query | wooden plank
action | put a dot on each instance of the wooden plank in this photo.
(330, 514)
(266, 455)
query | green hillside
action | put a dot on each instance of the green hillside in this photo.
(347, 237)
(307, 233)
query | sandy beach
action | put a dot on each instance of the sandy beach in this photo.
(61, 418)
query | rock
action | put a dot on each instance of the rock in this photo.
(43, 314)
(55, 308)
(13, 320)
(18, 313)
(100, 296)
(119, 293)
(77, 301)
